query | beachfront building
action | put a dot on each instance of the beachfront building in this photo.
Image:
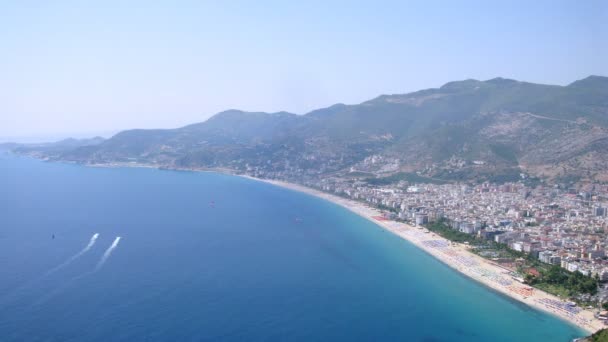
(548, 257)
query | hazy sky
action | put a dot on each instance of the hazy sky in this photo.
(73, 68)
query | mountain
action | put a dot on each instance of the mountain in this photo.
(55, 149)
(499, 130)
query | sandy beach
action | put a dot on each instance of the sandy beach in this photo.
(460, 258)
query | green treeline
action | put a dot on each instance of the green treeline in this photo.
(571, 282)
(552, 278)
(451, 234)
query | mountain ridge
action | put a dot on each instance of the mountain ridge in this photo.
(467, 130)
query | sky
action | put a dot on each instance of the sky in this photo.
(83, 68)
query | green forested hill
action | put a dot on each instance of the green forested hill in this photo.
(464, 129)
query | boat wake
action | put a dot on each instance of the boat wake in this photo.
(101, 262)
(107, 254)
(75, 256)
(56, 268)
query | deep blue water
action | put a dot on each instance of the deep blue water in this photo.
(243, 269)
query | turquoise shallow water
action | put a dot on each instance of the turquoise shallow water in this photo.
(209, 257)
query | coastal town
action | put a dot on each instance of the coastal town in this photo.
(541, 227)
(488, 271)
(562, 228)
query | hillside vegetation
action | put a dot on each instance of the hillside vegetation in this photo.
(466, 130)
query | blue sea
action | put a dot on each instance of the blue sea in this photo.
(212, 257)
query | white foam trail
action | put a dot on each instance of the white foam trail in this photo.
(75, 256)
(102, 261)
(107, 254)
(56, 268)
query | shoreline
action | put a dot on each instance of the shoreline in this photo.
(459, 258)
(454, 255)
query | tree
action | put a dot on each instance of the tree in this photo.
(529, 279)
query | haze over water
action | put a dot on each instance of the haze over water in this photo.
(204, 257)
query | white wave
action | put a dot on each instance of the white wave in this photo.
(75, 256)
(107, 253)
